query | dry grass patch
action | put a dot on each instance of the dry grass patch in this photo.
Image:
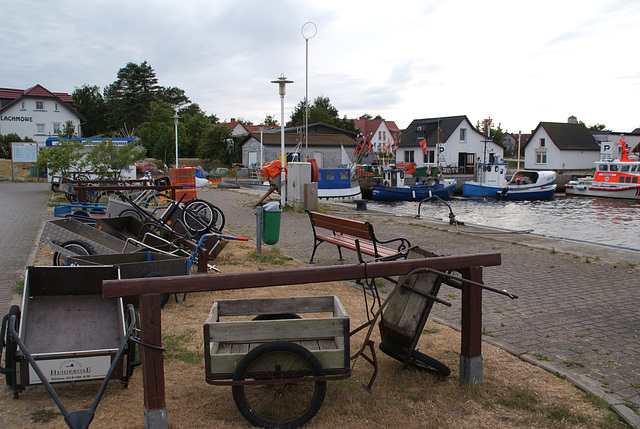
(513, 393)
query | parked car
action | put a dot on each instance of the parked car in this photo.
(144, 166)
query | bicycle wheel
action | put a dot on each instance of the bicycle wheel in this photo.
(198, 216)
(10, 346)
(273, 403)
(131, 213)
(156, 200)
(416, 360)
(75, 246)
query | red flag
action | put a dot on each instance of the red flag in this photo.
(423, 145)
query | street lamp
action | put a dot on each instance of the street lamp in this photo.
(175, 122)
(312, 30)
(261, 147)
(282, 90)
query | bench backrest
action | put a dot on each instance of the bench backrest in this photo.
(354, 228)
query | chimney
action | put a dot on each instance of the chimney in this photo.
(572, 120)
(233, 119)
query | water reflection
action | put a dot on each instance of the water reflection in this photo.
(599, 220)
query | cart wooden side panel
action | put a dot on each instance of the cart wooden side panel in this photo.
(227, 342)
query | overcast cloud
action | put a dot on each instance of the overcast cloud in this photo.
(517, 62)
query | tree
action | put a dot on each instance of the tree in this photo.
(174, 96)
(129, 98)
(157, 134)
(271, 121)
(5, 144)
(88, 101)
(63, 158)
(68, 130)
(218, 144)
(110, 161)
(598, 127)
(320, 110)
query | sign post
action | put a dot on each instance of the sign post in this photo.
(23, 152)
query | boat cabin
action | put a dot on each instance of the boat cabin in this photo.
(491, 174)
(393, 177)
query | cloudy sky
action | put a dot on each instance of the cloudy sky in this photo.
(517, 62)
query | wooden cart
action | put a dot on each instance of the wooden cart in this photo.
(277, 362)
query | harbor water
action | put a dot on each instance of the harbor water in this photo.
(608, 222)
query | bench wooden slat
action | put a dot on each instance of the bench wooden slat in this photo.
(347, 231)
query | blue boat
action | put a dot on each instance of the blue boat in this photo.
(338, 184)
(394, 189)
(490, 182)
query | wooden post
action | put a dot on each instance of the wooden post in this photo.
(471, 335)
(155, 409)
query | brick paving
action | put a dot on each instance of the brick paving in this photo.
(577, 313)
(23, 209)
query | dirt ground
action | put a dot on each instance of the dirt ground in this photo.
(513, 393)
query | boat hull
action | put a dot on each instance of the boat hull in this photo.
(603, 190)
(352, 193)
(412, 193)
(477, 190)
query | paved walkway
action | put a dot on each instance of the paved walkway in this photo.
(23, 209)
(577, 314)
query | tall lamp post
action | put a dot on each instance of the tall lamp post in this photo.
(175, 123)
(282, 90)
(311, 31)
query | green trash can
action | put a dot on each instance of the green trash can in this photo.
(271, 215)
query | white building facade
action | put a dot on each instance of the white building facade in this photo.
(36, 113)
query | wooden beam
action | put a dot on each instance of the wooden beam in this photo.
(226, 281)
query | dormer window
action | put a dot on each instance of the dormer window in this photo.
(420, 133)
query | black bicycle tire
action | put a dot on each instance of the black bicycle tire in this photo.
(417, 359)
(265, 351)
(89, 250)
(131, 213)
(11, 346)
(194, 222)
(218, 223)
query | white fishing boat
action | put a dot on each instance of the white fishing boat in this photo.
(490, 181)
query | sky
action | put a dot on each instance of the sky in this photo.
(518, 63)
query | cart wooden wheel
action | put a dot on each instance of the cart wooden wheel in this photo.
(9, 344)
(76, 246)
(416, 359)
(283, 397)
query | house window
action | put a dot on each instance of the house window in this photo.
(22, 105)
(379, 135)
(541, 157)
(429, 157)
(542, 142)
(56, 107)
(56, 128)
(39, 105)
(39, 128)
(409, 156)
(463, 134)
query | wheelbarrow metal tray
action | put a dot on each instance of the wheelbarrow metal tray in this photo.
(56, 232)
(229, 332)
(137, 265)
(69, 329)
(122, 227)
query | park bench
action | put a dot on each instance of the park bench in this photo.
(355, 235)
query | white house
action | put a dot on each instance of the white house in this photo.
(378, 132)
(561, 146)
(37, 113)
(450, 142)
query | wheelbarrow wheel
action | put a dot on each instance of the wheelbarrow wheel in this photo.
(272, 402)
(75, 246)
(10, 346)
(416, 360)
(198, 216)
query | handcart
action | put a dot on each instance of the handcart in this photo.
(66, 332)
(70, 237)
(277, 363)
